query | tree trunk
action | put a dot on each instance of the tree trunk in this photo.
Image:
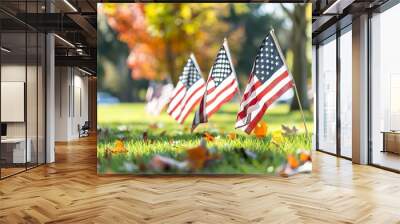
(169, 55)
(299, 69)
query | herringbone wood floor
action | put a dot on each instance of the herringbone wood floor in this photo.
(70, 191)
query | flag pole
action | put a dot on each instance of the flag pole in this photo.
(228, 51)
(294, 83)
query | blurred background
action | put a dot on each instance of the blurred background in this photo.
(138, 43)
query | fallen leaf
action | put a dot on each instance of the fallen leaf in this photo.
(145, 136)
(208, 137)
(304, 156)
(292, 161)
(287, 171)
(232, 136)
(197, 156)
(153, 126)
(277, 137)
(119, 147)
(162, 163)
(261, 129)
(287, 131)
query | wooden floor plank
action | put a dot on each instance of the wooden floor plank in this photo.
(69, 191)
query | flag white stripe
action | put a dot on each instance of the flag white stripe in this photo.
(221, 86)
(174, 97)
(190, 103)
(177, 88)
(176, 114)
(221, 98)
(176, 100)
(192, 89)
(262, 87)
(257, 107)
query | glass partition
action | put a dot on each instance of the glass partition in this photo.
(385, 89)
(327, 96)
(41, 91)
(22, 101)
(14, 153)
(31, 97)
(346, 93)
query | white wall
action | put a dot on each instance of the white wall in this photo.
(71, 102)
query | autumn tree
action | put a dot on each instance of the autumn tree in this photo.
(161, 36)
(300, 37)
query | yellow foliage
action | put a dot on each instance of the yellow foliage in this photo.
(232, 136)
(277, 137)
(119, 147)
(186, 12)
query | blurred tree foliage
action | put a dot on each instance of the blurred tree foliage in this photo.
(113, 75)
(300, 37)
(155, 40)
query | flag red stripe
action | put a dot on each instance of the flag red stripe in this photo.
(188, 99)
(228, 98)
(252, 88)
(243, 113)
(220, 92)
(177, 92)
(209, 91)
(266, 105)
(176, 106)
(191, 108)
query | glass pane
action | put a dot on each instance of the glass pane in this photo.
(31, 97)
(385, 84)
(41, 99)
(346, 94)
(13, 86)
(327, 97)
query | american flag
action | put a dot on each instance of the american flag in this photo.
(221, 86)
(269, 79)
(157, 96)
(188, 91)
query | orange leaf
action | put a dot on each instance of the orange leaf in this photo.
(197, 156)
(119, 147)
(208, 137)
(261, 129)
(153, 126)
(292, 161)
(305, 156)
(232, 136)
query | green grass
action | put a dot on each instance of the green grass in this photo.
(128, 121)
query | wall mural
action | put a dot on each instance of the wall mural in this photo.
(210, 88)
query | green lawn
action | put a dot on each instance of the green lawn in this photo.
(128, 121)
